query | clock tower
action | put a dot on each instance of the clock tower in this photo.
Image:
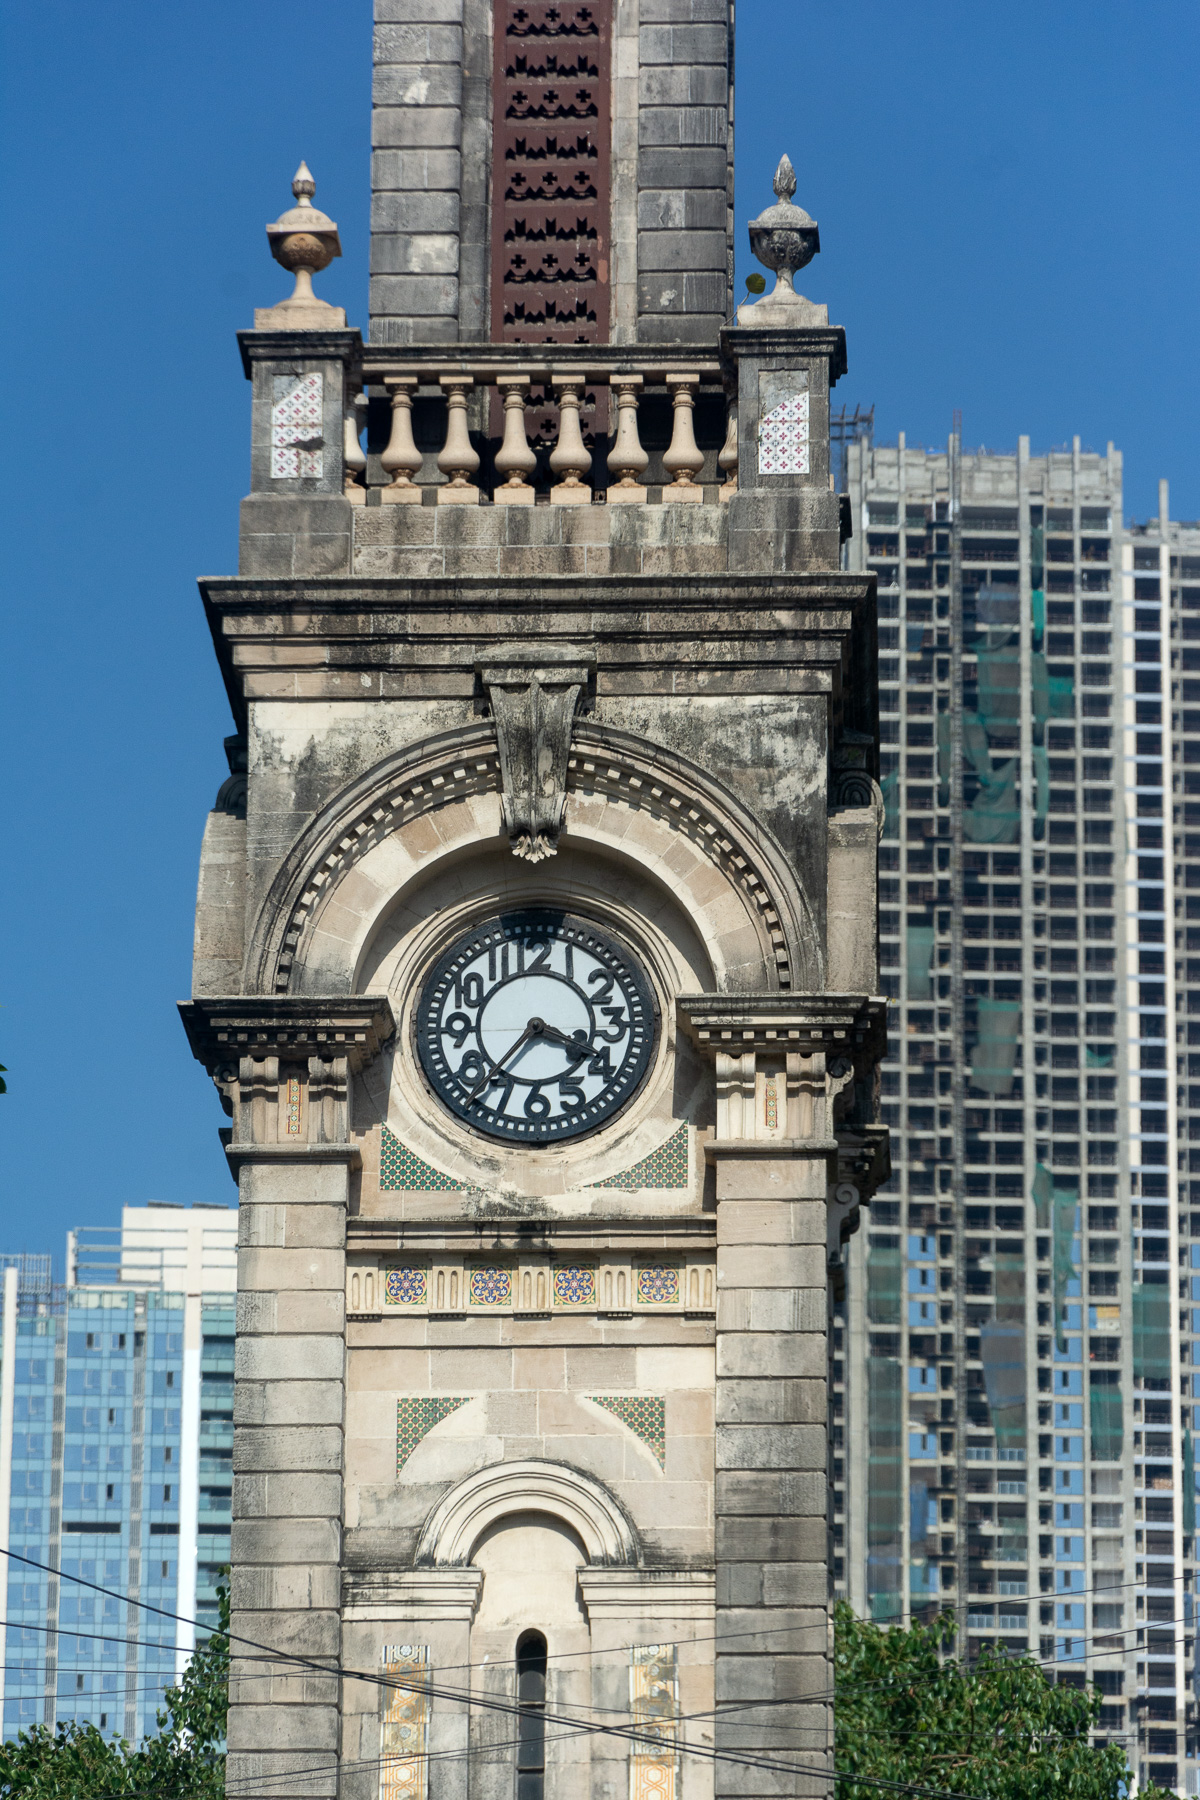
(535, 950)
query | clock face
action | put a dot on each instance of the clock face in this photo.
(536, 1026)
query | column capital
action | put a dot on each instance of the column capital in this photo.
(294, 1027)
(852, 1025)
(283, 1066)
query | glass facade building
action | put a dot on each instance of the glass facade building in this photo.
(116, 1427)
(1011, 1427)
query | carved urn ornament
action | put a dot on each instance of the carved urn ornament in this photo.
(303, 241)
(783, 238)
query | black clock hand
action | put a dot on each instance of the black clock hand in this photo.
(576, 1042)
(496, 1068)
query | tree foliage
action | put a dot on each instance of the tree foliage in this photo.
(908, 1712)
(185, 1760)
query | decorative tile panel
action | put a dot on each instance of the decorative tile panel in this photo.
(783, 438)
(666, 1167)
(654, 1706)
(297, 427)
(644, 1414)
(658, 1284)
(575, 1285)
(291, 1113)
(407, 1285)
(416, 1416)
(491, 1284)
(404, 1731)
(401, 1171)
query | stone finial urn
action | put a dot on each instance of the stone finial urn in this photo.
(783, 238)
(303, 241)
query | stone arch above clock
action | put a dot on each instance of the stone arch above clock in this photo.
(440, 803)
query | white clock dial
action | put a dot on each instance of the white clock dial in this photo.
(536, 1026)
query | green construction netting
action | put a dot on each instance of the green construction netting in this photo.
(919, 946)
(883, 1286)
(1041, 773)
(998, 1028)
(1010, 1289)
(1108, 1437)
(1051, 696)
(994, 817)
(1002, 1353)
(884, 1489)
(1098, 1059)
(975, 744)
(999, 679)
(1037, 599)
(1066, 1269)
(1151, 1332)
(1042, 1187)
(890, 788)
(1189, 1485)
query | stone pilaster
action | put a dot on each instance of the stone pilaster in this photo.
(786, 1069)
(284, 1067)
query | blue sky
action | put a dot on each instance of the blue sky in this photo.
(1008, 210)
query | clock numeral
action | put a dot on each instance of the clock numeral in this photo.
(458, 1026)
(600, 1064)
(541, 960)
(601, 995)
(472, 1068)
(616, 1018)
(570, 1092)
(537, 1104)
(468, 990)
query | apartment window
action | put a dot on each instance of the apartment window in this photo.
(531, 1716)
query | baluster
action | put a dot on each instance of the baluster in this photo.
(401, 459)
(570, 457)
(457, 459)
(354, 461)
(514, 459)
(727, 457)
(683, 459)
(626, 459)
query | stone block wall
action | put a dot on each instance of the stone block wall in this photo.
(672, 171)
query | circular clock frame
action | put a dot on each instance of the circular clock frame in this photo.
(536, 1026)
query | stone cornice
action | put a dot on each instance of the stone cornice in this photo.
(222, 1031)
(300, 346)
(735, 1024)
(792, 341)
(534, 1237)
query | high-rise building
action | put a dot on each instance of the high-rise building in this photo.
(1010, 1339)
(116, 1434)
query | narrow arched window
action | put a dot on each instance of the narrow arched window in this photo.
(531, 1716)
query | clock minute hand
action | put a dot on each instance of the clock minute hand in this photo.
(531, 1030)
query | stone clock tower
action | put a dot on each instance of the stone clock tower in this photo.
(536, 945)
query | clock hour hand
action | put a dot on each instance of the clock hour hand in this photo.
(576, 1042)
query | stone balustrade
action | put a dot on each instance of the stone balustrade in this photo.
(518, 428)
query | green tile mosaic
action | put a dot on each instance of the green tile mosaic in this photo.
(416, 1416)
(402, 1171)
(666, 1167)
(644, 1414)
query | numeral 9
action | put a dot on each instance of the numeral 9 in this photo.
(458, 1026)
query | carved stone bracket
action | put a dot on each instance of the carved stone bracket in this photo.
(282, 1065)
(851, 780)
(534, 693)
(796, 1073)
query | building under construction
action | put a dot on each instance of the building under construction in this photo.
(1012, 1336)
